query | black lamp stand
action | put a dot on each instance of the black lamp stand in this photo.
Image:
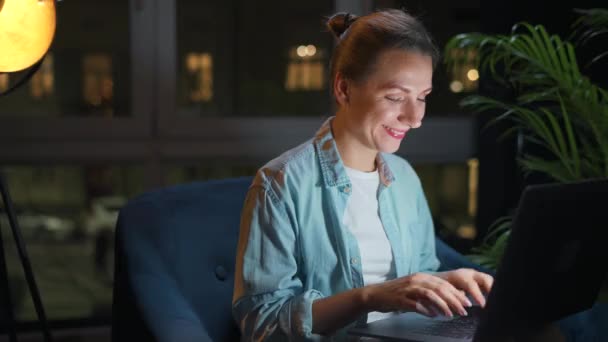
(6, 308)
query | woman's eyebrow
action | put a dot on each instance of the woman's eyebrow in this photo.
(392, 85)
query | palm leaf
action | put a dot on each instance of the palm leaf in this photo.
(590, 24)
(489, 255)
(556, 131)
(553, 168)
(571, 140)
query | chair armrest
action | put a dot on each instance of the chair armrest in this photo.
(451, 259)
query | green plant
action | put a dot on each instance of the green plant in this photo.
(555, 106)
(489, 253)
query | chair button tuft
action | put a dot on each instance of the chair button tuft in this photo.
(220, 273)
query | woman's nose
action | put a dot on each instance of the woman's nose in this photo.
(412, 114)
(417, 124)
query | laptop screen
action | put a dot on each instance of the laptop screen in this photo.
(555, 260)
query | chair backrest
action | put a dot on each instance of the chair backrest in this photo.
(174, 263)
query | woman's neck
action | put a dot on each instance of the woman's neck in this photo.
(354, 154)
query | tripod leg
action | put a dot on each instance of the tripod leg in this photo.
(25, 261)
(6, 306)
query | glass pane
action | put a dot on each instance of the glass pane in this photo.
(67, 216)
(87, 70)
(233, 63)
(451, 191)
(444, 22)
(180, 174)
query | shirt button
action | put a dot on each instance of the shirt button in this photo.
(354, 261)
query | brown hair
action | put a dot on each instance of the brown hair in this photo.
(360, 40)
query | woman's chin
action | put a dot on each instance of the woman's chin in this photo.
(389, 148)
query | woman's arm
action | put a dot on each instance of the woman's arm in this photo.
(269, 301)
(332, 313)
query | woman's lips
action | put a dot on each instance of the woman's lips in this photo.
(395, 133)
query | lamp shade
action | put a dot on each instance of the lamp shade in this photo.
(27, 28)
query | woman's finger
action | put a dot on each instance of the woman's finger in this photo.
(461, 295)
(425, 309)
(485, 281)
(435, 299)
(475, 292)
(452, 297)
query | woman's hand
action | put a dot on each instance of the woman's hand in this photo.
(470, 281)
(418, 292)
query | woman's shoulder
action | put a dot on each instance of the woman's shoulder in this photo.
(294, 165)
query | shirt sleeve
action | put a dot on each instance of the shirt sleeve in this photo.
(429, 262)
(269, 301)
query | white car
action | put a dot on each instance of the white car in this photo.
(39, 226)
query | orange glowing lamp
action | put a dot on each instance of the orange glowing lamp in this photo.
(27, 28)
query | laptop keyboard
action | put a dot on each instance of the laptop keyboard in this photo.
(457, 327)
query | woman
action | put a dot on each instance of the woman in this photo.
(337, 230)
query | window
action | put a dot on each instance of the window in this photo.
(305, 70)
(253, 64)
(67, 215)
(3, 82)
(200, 76)
(451, 191)
(42, 83)
(170, 92)
(97, 85)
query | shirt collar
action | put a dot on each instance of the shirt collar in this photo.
(332, 167)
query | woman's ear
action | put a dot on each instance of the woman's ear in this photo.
(341, 89)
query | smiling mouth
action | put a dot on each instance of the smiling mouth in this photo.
(395, 133)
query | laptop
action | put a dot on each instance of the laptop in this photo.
(554, 264)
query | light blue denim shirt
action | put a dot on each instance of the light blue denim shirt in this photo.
(293, 247)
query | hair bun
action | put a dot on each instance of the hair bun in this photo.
(340, 22)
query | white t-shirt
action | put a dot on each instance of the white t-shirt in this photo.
(363, 220)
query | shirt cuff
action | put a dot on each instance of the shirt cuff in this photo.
(296, 317)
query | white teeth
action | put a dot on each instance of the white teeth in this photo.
(394, 130)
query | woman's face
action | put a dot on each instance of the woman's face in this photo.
(391, 101)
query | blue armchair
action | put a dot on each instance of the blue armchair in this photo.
(174, 263)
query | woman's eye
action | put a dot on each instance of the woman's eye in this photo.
(394, 98)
